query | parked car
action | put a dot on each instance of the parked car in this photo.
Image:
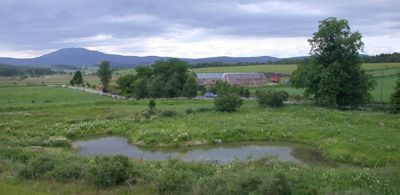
(210, 95)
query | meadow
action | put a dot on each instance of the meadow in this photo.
(363, 143)
(283, 68)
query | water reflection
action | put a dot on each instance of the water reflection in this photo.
(223, 153)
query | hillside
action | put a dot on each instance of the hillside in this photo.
(81, 56)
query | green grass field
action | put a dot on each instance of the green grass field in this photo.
(352, 137)
(281, 68)
(387, 89)
(11, 190)
(253, 68)
(364, 144)
(42, 95)
(378, 73)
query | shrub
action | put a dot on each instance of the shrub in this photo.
(108, 171)
(169, 113)
(277, 184)
(152, 104)
(305, 189)
(216, 184)
(147, 113)
(17, 154)
(228, 99)
(172, 181)
(271, 98)
(189, 111)
(37, 167)
(245, 182)
(67, 172)
(228, 102)
(58, 142)
(203, 109)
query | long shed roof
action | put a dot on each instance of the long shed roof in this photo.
(210, 75)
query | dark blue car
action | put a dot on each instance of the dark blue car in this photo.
(210, 95)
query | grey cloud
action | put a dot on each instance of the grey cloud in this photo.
(45, 24)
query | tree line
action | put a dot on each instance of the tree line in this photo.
(229, 64)
(381, 58)
(8, 70)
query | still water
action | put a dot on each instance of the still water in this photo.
(221, 153)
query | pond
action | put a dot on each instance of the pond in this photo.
(218, 153)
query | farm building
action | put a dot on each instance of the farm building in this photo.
(248, 78)
(209, 78)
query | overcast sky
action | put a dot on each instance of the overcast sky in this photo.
(189, 28)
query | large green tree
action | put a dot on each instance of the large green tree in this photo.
(156, 87)
(143, 71)
(167, 68)
(124, 83)
(77, 79)
(334, 75)
(172, 87)
(141, 88)
(190, 88)
(105, 74)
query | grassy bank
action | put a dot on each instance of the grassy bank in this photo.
(364, 141)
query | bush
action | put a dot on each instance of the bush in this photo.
(17, 154)
(169, 113)
(228, 99)
(173, 181)
(305, 189)
(108, 171)
(203, 109)
(246, 182)
(152, 104)
(277, 184)
(271, 98)
(216, 184)
(228, 102)
(67, 172)
(189, 111)
(37, 167)
(58, 142)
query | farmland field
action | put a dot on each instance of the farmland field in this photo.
(363, 143)
(281, 68)
(388, 88)
(253, 68)
(389, 71)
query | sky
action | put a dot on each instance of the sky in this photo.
(189, 28)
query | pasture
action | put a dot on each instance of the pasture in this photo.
(362, 144)
(283, 68)
(368, 152)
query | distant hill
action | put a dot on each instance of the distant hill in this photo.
(81, 56)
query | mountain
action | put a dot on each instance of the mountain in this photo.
(81, 56)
